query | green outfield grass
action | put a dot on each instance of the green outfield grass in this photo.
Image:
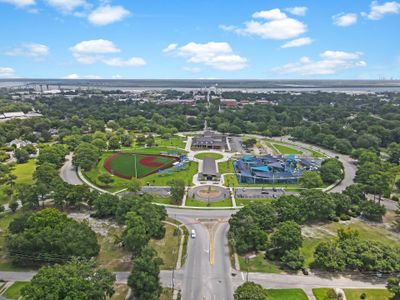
(216, 156)
(285, 150)
(286, 294)
(157, 179)
(135, 165)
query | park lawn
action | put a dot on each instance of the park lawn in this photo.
(314, 153)
(375, 294)
(244, 201)
(216, 156)
(174, 141)
(112, 256)
(321, 293)
(226, 167)
(286, 294)
(227, 202)
(24, 172)
(167, 248)
(14, 291)
(285, 150)
(164, 178)
(163, 200)
(259, 264)
(329, 231)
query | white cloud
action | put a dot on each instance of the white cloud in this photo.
(297, 10)
(19, 3)
(6, 72)
(378, 11)
(76, 76)
(93, 51)
(37, 51)
(116, 76)
(67, 6)
(331, 62)
(344, 20)
(298, 42)
(107, 14)
(218, 55)
(278, 26)
(118, 62)
(170, 47)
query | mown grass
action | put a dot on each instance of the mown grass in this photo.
(216, 156)
(244, 201)
(174, 141)
(321, 293)
(226, 167)
(259, 264)
(372, 294)
(227, 202)
(14, 291)
(24, 172)
(286, 294)
(285, 150)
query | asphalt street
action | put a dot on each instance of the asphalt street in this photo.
(68, 172)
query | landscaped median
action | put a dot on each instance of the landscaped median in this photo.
(354, 294)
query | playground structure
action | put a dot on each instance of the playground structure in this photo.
(274, 169)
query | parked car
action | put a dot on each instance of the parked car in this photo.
(193, 234)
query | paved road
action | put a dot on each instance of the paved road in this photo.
(258, 193)
(206, 274)
(68, 172)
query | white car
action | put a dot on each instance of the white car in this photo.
(193, 234)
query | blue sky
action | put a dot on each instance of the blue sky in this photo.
(251, 39)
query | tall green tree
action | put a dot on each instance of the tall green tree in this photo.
(250, 291)
(74, 280)
(144, 278)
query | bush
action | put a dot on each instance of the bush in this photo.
(344, 217)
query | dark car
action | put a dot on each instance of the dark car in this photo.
(305, 271)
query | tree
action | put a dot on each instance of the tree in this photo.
(331, 170)
(135, 185)
(86, 156)
(144, 278)
(286, 237)
(177, 190)
(105, 205)
(114, 143)
(293, 259)
(394, 153)
(49, 236)
(21, 155)
(317, 205)
(74, 280)
(126, 140)
(393, 285)
(250, 291)
(106, 179)
(99, 144)
(373, 211)
(288, 208)
(135, 236)
(311, 180)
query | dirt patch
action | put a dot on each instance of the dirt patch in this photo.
(100, 227)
